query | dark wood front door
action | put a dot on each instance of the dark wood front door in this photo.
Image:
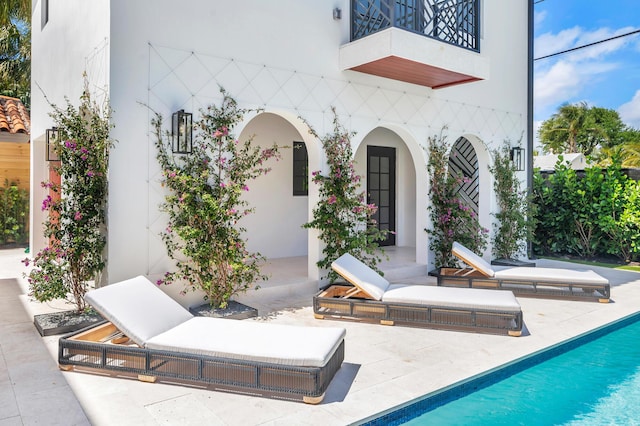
(381, 188)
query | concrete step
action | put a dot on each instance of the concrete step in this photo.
(403, 272)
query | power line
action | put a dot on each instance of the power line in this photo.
(587, 45)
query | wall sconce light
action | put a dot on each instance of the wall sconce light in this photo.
(337, 13)
(53, 143)
(182, 132)
(517, 157)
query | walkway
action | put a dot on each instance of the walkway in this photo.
(384, 366)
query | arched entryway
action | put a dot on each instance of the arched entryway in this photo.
(280, 207)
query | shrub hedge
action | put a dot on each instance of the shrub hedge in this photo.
(589, 214)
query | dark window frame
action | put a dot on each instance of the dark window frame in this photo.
(300, 169)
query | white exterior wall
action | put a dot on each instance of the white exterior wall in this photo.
(284, 58)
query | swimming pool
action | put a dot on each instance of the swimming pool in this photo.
(591, 380)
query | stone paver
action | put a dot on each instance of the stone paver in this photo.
(384, 366)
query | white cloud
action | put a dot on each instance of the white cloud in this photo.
(555, 84)
(562, 78)
(630, 112)
(565, 80)
(538, 18)
(598, 50)
(549, 43)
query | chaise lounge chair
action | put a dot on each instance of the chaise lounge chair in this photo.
(524, 281)
(148, 333)
(371, 297)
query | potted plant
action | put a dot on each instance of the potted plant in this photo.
(204, 204)
(75, 227)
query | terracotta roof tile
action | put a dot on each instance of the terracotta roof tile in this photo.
(14, 117)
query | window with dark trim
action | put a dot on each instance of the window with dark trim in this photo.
(300, 169)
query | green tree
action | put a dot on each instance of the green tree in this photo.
(562, 132)
(580, 128)
(15, 49)
(627, 150)
(14, 9)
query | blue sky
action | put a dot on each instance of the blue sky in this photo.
(605, 75)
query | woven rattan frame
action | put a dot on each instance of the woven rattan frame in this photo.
(452, 277)
(330, 302)
(290, 382)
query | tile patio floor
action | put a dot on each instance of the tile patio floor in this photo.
(383, 367)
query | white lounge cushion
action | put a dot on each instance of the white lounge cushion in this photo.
(138, 308)
(472, 259)
(252, 341)
(361, 275)
(569, 276)
(466, 298)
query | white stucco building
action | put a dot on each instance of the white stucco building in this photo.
(395, 75)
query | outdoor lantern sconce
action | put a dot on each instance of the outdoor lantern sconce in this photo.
(182, 132)
(52, 141)
(517, 157)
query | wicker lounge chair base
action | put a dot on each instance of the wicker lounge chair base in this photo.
(226, 354)
(524, 281)
(372, 298)
(468, 278)
(329, 304)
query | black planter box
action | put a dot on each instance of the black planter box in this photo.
(65, 322)
(234, 310)
(511, 262)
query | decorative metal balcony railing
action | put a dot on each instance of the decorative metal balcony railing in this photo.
(452, 21)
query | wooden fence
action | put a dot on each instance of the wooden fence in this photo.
(14, 163)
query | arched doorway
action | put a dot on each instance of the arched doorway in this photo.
(280, 208)
(386, 163)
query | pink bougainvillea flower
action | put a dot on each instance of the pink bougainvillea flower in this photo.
(47, 202)
(332, 199)
(77, 216)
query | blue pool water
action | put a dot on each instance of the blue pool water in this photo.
(592, 380)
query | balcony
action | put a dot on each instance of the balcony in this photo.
(433, 43)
